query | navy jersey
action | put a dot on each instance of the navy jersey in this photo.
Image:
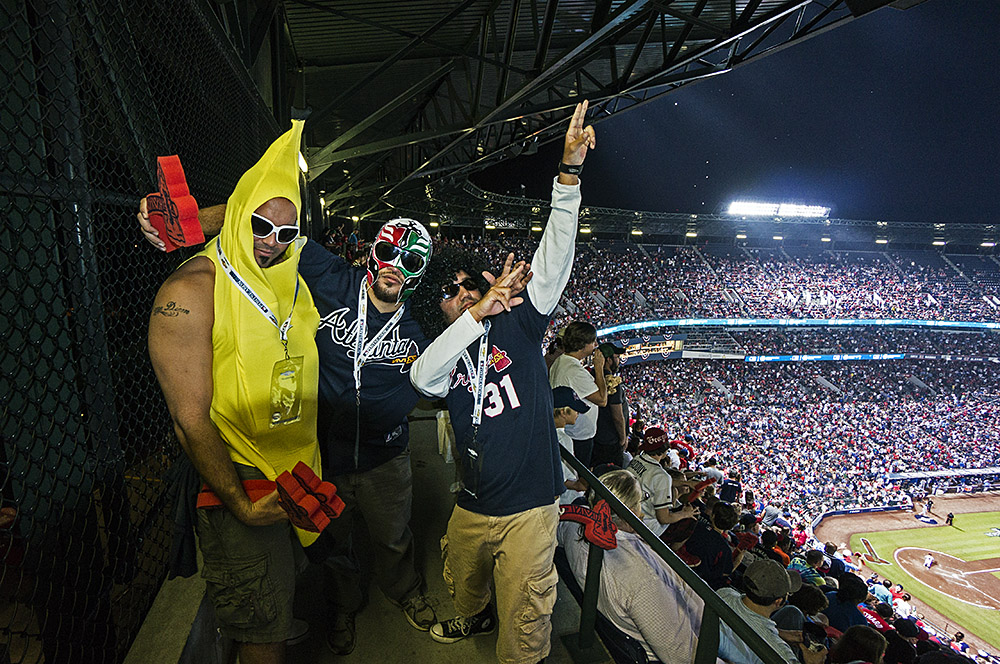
(518, 464)
(386, 393)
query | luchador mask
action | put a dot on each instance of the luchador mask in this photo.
(405, 245)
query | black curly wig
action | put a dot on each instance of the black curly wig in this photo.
(426, 299)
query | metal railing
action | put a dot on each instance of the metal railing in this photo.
(715, 608)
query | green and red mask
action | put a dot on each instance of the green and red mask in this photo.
(405, 245)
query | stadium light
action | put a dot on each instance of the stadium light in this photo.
(536, 228)
(434, 224)
(741, 236)
(691, 234)
(881, 240)
(988, 244)
(939, 243)
(355, 218)
(825, 239)
(585, 229)
(777, 237)
(303, 166)
(636, 231)
(490, 227)
(758, 209)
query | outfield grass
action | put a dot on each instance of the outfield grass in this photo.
(966, 541)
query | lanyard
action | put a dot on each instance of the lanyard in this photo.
(256, 300)
(478, 374)
(363, 351)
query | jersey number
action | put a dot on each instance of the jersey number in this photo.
(494, 402)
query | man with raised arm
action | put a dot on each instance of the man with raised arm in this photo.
(231, 338)
(364, 398)
(489, 365)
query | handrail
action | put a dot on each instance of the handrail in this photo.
(715, 607)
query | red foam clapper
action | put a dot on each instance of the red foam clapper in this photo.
(310, 502)
(173, 212)
(597, 525)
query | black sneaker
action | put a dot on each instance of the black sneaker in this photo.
(341, 637)
(459, 627)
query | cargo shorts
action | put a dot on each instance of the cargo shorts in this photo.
(249, 572)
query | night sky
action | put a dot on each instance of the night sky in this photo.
(892, 116)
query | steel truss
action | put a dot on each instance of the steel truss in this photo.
(497, 78)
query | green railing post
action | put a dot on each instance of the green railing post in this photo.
(591, 588)
(708, 638)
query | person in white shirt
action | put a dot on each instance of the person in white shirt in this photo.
(566, 409)
(639, 592)
(578, 341)
(657, 486)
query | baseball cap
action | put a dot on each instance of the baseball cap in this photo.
(563, 397)
(609, 349)
(653, 439)
(906, 628)
(767, 578)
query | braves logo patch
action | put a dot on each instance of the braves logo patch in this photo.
(499, 359)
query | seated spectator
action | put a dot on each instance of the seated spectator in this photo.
(567, 407)
(843, 611)
(783, 548)
(860, 644)
(710, 544)
(807, 567)
(658, 499)
(802, 605)
(731, 488)
(837, 566)
(800, 536)
(882, 591)
(766, 585)
(901, 642)
(639, 592)
(902, 606)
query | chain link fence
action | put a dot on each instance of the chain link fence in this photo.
(91, 93)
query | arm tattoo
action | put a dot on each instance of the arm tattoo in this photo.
(170, 309)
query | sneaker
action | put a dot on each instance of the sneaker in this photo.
(419, 612)
(460, 627)
(298, 633)
(341, 637)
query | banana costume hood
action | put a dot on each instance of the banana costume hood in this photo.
(264, 401)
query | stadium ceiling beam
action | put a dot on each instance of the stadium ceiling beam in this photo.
(459, 52)
(386, 64)
(320, 161)
(506, 94)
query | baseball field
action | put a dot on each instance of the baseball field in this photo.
(962, 583)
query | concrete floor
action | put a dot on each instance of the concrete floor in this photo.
(384, 636)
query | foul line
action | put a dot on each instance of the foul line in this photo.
(895, 557)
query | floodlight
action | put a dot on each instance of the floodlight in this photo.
(881, 240)
(434, 224)
(636, 231)
(825, 239)
(741, 236)
(939, 243)
(585, 229)
(778, 237)
(536, 228)
(490, 227)
(988, 244)
(303, 166)
(758, 209)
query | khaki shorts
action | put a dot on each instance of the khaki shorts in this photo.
(249, 573)
(515, 552)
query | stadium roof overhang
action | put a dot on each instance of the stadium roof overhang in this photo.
(407, 94)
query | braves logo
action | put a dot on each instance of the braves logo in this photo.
(871, 557)
(499, 359)
(598, 528)
(173, 210)
(393, 350)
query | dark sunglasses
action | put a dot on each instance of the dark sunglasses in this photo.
(387, 253)
(262, 227)
(449, 291)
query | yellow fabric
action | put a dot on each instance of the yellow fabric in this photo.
(246, 345)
